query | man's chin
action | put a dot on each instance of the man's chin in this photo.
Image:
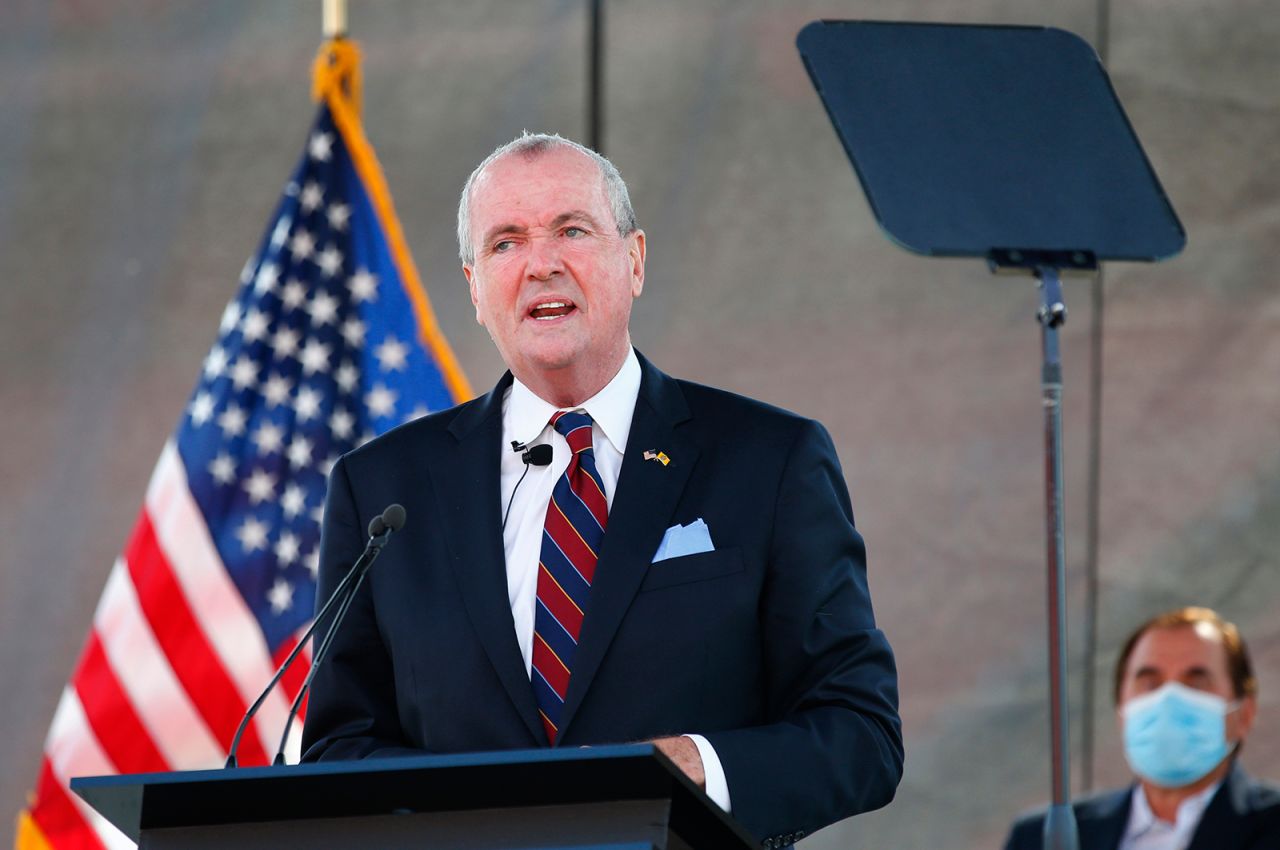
(566, 361)
(551, 360)
(552, 348)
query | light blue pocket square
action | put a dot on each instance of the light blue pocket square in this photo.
(684, 540)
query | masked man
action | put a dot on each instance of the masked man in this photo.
(1186, 698)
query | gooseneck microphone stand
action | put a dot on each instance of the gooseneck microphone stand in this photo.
(380, 529)
(323, 651)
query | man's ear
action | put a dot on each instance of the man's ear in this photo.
(470, 274)
(1245, 715)
(635, 253)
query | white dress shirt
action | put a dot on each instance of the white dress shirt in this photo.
(526, 420)
(1145, 831)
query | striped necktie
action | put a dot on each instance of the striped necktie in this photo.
(576, 519)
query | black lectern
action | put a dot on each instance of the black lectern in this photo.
(613, 798)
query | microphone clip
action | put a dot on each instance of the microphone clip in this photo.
(539, 455)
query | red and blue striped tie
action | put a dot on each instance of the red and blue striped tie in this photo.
(576, 519)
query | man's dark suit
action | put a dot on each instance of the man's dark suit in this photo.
(767, 646)
(1243, 815)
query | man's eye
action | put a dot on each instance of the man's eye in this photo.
(499, 247)
(574, 232)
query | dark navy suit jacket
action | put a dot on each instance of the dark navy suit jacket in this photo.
(1243, 815)
(767, 645)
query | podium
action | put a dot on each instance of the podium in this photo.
(627, 797)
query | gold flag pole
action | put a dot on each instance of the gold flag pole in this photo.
(335, 19)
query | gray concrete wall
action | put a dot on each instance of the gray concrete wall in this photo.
(142, 149)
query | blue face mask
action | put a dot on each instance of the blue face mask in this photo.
(1175, 735)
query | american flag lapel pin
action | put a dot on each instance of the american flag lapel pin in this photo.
(653, 454)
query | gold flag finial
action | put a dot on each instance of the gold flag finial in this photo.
(336, 73)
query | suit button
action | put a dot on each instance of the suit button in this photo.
(800, 834)
(789, 838)
(768, 844)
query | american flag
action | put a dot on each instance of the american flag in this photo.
(328, 342)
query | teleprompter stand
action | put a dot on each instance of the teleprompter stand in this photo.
(605, 798)
(1005, 143)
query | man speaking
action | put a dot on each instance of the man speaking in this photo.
(685, 569)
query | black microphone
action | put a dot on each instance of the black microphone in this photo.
(539, 455)
(380, 528)
(392, 519)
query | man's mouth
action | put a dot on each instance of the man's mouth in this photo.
(548, 310)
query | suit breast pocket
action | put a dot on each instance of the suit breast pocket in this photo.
(692, 568)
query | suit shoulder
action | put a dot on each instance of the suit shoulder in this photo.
(1027, 832)
(1103, 803)
(413, 435)
(1263, 796)
(747, 428)
(716, 403)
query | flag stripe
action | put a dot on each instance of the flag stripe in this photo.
(176, 728)
(186, 646)
(224, 618)
(74, 751)
(293, 678)
(59, 821)
(290, 684)
(110, 714)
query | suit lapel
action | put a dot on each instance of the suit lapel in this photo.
(467, 486)
(1101, 822)
(1223, 821)
(643, 505)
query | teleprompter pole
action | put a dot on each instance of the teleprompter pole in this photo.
(595, 75)
(1060, 823)
(956, 131)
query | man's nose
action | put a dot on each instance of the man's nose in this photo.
(544, 258)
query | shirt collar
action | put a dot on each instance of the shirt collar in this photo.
(1142, 819)
(526, 415)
